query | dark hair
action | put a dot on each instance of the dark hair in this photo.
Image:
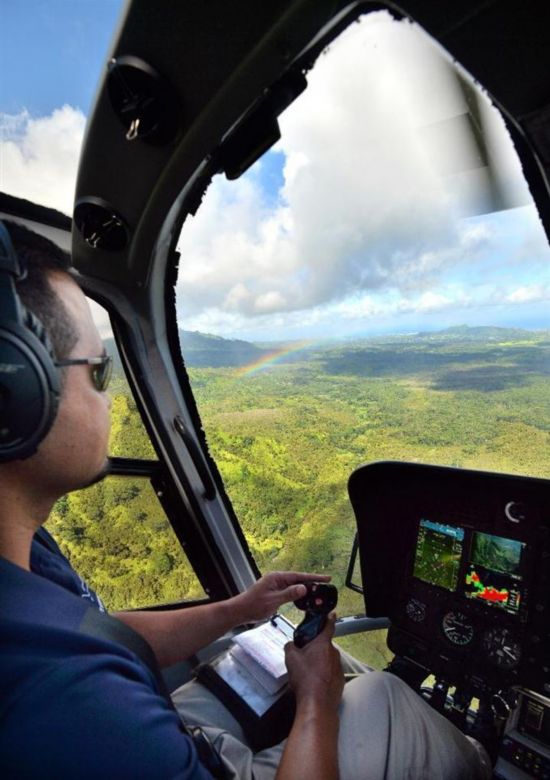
(42, 257)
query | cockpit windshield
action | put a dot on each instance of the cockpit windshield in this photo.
(375, 287)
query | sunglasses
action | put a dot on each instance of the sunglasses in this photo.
(102, 368)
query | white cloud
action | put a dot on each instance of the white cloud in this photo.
(39, 156)
(529, 294)
(269, 301)
(366, 313)
(39, 161)
(430, 301)
(363, 307)
(364, 207)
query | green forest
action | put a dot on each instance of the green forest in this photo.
(286, 439)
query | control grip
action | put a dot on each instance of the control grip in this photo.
(310, 627)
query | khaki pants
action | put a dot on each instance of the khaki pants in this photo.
(386, 732)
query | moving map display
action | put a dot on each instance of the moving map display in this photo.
(438, 553)
(493, 574)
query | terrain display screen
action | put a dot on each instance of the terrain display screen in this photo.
(493, 574)
(438, 553)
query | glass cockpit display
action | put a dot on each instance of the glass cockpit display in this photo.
(493, 575)
(480, 567)
(438, 554)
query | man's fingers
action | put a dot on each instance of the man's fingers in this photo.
(293, 593)
(290, 649)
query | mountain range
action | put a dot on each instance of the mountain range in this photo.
(203, 350)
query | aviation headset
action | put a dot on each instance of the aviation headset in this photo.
(29, 380)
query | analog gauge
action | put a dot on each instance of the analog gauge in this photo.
(416, 610)
(457, 628)
(502, 647)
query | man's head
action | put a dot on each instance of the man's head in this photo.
(74, 451)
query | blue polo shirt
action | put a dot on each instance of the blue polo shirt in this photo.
(72, 705)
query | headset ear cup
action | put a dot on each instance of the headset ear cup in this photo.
(29, 387)
(29, 379)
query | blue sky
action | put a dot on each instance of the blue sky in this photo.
(51, 52)
(345, 228)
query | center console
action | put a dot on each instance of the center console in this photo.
(525, 747)
(460, 563)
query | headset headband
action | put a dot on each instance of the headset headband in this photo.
(9, 261)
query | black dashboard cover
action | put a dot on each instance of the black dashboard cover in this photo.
(459, 562)
(389, 498)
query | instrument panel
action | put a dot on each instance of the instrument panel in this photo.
(459, 562)
(466, 594)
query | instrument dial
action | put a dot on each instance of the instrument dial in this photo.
(502, 647)
(457, 628)
(416, 610)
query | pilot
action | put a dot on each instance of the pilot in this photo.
(74, 705)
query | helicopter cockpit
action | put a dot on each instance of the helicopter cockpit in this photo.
(219, 261)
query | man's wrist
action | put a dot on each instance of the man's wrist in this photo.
(238, 610)
(231, 612)
(315, 701)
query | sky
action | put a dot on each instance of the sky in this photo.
(368, 217)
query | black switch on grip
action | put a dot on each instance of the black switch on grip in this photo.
(319, 600)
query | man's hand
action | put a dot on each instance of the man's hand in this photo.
(175, 634)
(265, 597)
(316, 676)
(315, 671)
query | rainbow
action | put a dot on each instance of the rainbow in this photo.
(272, 358)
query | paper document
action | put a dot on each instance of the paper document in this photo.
(244, 684)
(254, 666)
(265, 645)
(253, 669)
